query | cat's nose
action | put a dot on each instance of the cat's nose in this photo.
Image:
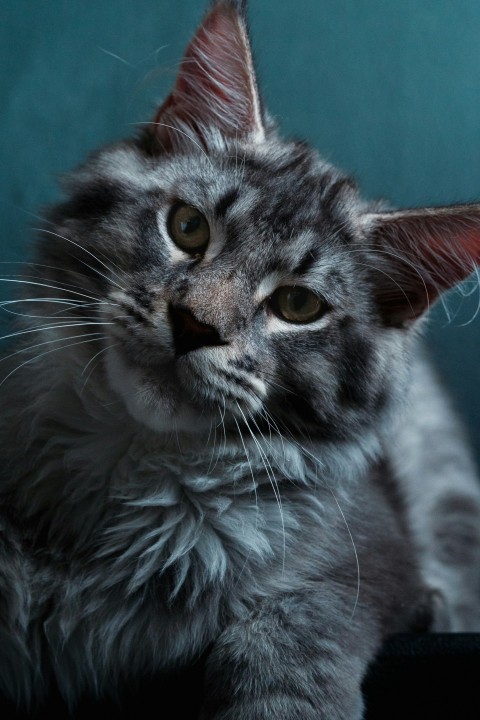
(189, 333)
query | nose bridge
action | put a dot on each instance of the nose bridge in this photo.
(218, 298)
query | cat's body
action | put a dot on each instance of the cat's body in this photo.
(251, 457)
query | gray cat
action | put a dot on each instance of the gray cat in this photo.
(219, 432)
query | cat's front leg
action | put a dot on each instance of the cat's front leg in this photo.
(293, 659)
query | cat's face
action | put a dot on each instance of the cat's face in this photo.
(241, 289)
(242, 278)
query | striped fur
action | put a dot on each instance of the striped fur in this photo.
(270, 501)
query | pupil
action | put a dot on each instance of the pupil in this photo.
(190, 225)
(297, 300)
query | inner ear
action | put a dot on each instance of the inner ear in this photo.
(216, 88)
(418, 254)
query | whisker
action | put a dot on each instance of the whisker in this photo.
(354, 550)
(33, 215)
(272, 423)
(53, 327)
(60, 315)
(117, 57)
(40, 317)
(210, 468)
(109, 347)
(112, 303)
(272, 479)
(52, 287)
(45, 342)
(476, 287)
(254, 482)
(33, 265)
(222, 420)
(86, 339)
(275, 383)
(97, 259)
(316, 461)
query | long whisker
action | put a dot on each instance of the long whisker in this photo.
(34, 265)
(274, 383)
(71, 307)
(271, 477)
(63, 287)
(47, 285)
(109, 347)
(315, 459)
(58, 301)
(477, 309)
(222, 420)
(221, 423)
(84, 249)
(254, 482)
(45, 342)
(212, 454)
(54, 327)
(86, 339)
(272, 423)
(55, 316)
(354, 550)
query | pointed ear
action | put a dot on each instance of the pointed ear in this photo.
(418, 254)
(216, 87)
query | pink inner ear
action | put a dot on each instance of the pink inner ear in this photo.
(213, 59)
(451, 257)
(422, 253)
(216, 83)
(447, 243)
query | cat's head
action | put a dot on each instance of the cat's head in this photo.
(241, 276)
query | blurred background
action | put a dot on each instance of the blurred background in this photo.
(387, 90)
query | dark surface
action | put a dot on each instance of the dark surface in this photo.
(433, 677)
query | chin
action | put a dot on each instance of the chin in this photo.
(158, 405)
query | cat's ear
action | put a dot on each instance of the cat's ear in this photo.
(418, 254)
(215, 88)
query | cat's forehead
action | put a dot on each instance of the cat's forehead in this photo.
(272, 175)
(286, 181)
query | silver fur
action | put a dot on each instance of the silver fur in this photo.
(283, 500)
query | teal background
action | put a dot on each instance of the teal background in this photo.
(387, 90)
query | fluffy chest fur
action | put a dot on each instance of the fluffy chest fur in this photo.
(202, 508)
(152, 545)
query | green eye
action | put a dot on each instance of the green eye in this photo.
(188, 228)
(297, 304)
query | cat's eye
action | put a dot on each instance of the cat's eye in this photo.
(297, 304)
(188, 228)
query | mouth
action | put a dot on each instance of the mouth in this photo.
(184, 393)
(153, 396)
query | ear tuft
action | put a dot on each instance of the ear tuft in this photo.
(240, 6)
